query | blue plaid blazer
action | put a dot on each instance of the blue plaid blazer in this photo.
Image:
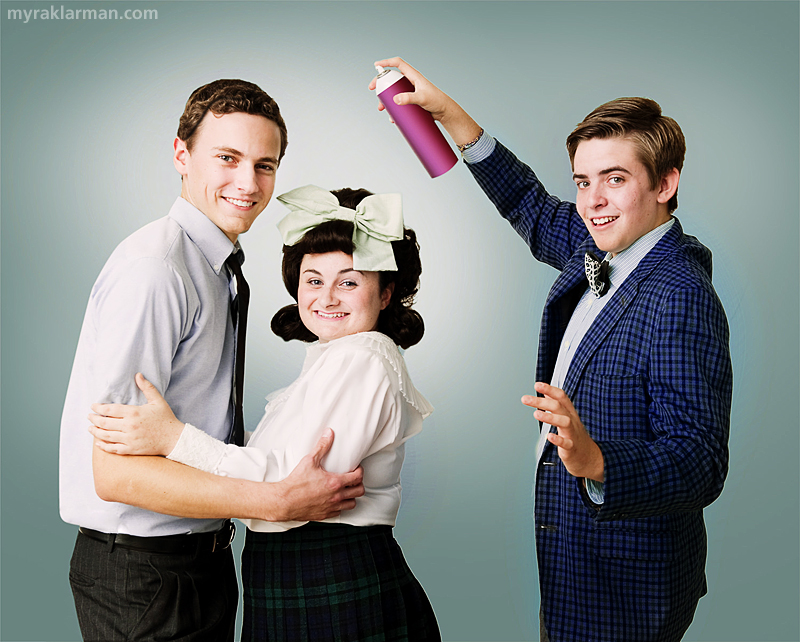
(652, 383)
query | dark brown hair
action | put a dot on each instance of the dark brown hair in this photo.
(658, 139)
(398, 321)
(228, 97)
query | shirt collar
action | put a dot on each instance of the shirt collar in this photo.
(625, 262)
(210, 240)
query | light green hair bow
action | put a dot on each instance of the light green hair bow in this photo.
(378, 220)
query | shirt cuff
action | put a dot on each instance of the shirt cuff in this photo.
(480, 150)
(596, 491)
(198, 450)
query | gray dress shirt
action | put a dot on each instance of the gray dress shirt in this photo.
(161, 306)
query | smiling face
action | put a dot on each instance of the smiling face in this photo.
(229, 174)
(615, 198)
(335, 300)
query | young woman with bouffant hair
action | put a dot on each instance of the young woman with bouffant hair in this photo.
(353, 270)
(398, 321)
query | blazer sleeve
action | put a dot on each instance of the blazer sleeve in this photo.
(689, 388)
(552, 228)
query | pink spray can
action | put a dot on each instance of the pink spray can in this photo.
(416, 124)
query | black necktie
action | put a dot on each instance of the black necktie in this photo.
(239, 313)
(597, 273)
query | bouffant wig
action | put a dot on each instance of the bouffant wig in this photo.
(398, 320)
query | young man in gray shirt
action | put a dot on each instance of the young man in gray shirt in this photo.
(152, 558)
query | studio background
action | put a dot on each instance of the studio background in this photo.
(89, 113)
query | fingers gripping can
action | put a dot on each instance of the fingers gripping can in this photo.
(416, 124)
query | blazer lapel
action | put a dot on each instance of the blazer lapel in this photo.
(561, 301)
(572, 275)
(615, 308)
(598, 331)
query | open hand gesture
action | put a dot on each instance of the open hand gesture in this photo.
(580, 454)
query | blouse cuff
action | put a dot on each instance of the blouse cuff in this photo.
(198, 450)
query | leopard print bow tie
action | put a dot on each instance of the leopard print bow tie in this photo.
(597, 273)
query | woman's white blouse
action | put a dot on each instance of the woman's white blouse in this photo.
(357, 385)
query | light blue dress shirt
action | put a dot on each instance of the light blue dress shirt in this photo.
(161, 306)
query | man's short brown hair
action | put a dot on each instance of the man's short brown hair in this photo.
(658, 139)
(228, 97)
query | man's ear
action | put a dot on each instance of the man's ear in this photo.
(181, 157)
(668, 185)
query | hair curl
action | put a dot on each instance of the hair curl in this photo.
(398, 320)
(228, 96)
(658, 139)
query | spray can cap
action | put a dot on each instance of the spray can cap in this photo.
(381, 71)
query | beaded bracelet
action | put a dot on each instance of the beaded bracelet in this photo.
(463, 148)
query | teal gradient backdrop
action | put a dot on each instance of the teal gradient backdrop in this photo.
(89, 112)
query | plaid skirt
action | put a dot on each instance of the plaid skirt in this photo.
(332, 582)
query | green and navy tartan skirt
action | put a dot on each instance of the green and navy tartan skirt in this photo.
(332, 582)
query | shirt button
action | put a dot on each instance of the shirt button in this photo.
(216, 268)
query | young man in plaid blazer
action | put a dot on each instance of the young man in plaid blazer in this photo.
(634, 376)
